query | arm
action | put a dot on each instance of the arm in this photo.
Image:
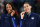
(21, 20)
(38, 21)
(2, 20)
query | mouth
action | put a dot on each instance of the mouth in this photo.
(26, 10)
(9, 10)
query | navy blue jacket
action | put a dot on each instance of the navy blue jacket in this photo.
(8, 21)
(30, 21)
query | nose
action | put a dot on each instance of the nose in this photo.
(7, 8)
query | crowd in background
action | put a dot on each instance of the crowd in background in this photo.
(18, 4)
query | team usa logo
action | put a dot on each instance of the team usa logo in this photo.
(32, 18)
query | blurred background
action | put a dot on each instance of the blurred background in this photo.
(19, 5)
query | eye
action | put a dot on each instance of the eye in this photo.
(6, 7)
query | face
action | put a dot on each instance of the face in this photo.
(8, 7)
(27, 7)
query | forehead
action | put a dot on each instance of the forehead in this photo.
(8, 5)
(26, 4)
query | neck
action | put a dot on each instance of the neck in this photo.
(8, 13)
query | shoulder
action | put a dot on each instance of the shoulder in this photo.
(35, 14)
(2, 15)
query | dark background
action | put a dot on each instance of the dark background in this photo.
(18, 4)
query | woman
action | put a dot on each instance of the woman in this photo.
(8, 18)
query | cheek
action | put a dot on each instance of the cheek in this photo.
(24, 8)
(10, 8)
(6, 9)
(28, 10)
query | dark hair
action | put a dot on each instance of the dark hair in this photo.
(5, 11)
(27, 3)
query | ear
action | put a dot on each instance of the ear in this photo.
(30, 6)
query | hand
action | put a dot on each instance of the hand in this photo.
(22, 15)
(12, 13)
